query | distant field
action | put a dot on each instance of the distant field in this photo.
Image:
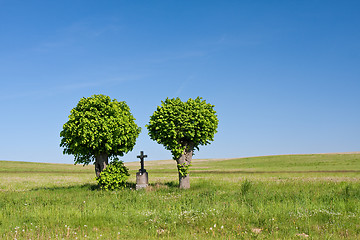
(315, 196)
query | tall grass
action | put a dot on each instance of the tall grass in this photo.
(218, 206)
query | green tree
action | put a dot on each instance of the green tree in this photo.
(182, 127)
(98, 129)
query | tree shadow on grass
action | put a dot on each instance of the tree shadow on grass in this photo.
(89, 186)
(131, 185)
(96, 187)
(159, 186)
(172, 184)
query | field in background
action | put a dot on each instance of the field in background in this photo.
(282, 197)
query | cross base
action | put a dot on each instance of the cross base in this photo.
(142, 180)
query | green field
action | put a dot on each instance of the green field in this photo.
(274, 197)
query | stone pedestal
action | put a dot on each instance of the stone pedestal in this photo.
(142, 180)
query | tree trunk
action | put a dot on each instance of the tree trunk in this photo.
(184, 182)
(186, 157)
(101, 161)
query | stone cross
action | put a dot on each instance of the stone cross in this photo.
(142, 179)
(142, 156)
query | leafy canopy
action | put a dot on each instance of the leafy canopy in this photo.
(178, 125)
(99, 125)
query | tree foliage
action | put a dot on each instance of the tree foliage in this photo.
(99, 125)
(114, 176)
(179, 125)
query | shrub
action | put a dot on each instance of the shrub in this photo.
(114, 176)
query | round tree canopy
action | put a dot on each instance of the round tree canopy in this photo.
(99, 125)
(179, 125)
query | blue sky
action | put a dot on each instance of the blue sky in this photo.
(284, 76)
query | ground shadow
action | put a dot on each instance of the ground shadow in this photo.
(172, 184)
(90, 186)
(96, 187)
(165, 185)
(131, 185)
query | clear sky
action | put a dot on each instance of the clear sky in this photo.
(284, 76)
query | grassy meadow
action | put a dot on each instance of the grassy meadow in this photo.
(273, 197)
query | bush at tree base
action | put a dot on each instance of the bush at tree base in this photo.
(114, 176)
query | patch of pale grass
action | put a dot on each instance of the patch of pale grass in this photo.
(151, 163)
(327, 179)
(161, 179)
(13, 182)
(258, 178)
